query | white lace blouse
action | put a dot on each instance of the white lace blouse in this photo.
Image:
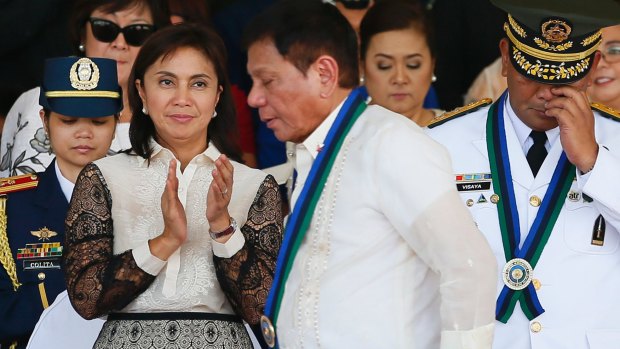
(119, 199)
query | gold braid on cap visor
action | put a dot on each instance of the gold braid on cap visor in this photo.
(550, 56)
(549, 72)
(103, 94)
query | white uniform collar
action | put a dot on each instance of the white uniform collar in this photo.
(523, 131)
(65, 185)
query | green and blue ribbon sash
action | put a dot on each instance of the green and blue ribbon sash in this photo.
(543, 224)
(303, 211)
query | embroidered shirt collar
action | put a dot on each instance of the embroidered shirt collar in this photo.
(315, 140)
(209, 155)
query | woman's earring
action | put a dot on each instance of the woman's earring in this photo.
(144, 110)
(362, 80)
(81, 48)
(434, 78)
(214, 113)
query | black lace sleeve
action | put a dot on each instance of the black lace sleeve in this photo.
(246, 277)
(98, 282)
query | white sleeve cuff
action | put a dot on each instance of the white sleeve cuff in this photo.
(230, 247)
(478, 338)
(146, 261)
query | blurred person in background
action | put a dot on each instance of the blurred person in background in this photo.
(112, 29)
(353, 10)
(398, 58)
(605, 88)
(490, 83)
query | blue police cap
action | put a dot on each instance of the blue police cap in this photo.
(81, 87)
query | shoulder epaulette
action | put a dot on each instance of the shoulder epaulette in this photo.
(606, 111)
(18, 183)
(460, 111)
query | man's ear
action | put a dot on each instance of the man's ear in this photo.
(328, 72)
(504, 50)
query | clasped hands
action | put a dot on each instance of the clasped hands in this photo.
(175, 220)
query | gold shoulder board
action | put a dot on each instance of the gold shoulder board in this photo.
(606, 111)
(460, 111)
(18, 183)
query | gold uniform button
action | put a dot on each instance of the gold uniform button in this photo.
(41, 276)
(495, 198)
(536, 283)
(535, 201)
(469, 203)
(536, 327)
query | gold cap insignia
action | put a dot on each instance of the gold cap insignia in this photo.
(555, 30)
(44, 233)
(84, 74)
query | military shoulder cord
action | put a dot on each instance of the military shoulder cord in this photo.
(6, 257)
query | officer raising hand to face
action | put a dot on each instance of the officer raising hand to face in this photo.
(571, 109)
(538, 171)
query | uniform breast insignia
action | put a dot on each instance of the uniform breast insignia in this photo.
(598, 231)
(460, 111)
(495, 198)
(18, 183)
(517, 274)
(574, 196)
(44, 233)
(605, 111)
(473, 182)
(44, 255)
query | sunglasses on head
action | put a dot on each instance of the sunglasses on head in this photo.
(107, 31)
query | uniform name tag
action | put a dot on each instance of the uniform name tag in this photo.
(473, 186)
(42, 264)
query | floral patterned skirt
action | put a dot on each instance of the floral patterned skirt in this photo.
(173, 331)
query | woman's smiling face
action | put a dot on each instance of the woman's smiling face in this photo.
(605, 86)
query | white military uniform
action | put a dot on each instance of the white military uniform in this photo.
(579, 282)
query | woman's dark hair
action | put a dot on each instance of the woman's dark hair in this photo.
(222, 130)
(388, 15)
(82, 9)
